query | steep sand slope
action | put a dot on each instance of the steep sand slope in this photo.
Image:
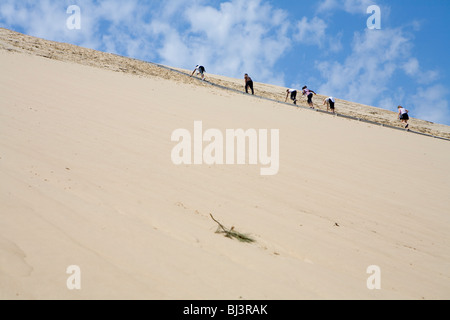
(15, 42)
(87, 179)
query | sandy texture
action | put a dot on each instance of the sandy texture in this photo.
(87, 180)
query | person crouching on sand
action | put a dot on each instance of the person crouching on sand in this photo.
(293, 94)
(403, 116)
(330, 102)
(200, 70)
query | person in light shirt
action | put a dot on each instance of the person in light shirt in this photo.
(200, 71)
(330, 102)
(403, 116)
(309, 93)
(293, 94)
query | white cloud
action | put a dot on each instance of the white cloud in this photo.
(349, 6)
(311, 32)
(427, 77)
(327, 5)
(431, 103)
(119, 12)
(173, 49)
(335, 43)
(47, 19)
(365, 73)
(357, 6)
(411, 67)
(237, 37)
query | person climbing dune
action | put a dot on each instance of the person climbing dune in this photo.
(330, 103)
(309, 93)
(403, 116)
(248, 84)
(200, 71)
(293, 94)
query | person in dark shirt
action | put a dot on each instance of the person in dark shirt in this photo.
(248, 84)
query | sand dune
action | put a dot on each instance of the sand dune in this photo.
(87, 180)
(16, 42)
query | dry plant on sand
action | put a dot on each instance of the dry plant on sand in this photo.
(232, 233)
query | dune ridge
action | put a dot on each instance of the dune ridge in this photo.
(16, 42)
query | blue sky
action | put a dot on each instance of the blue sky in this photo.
(324, 44)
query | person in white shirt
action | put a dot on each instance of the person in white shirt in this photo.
(403, 116)
(293, 94)
(200, 71)
(330, 102)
